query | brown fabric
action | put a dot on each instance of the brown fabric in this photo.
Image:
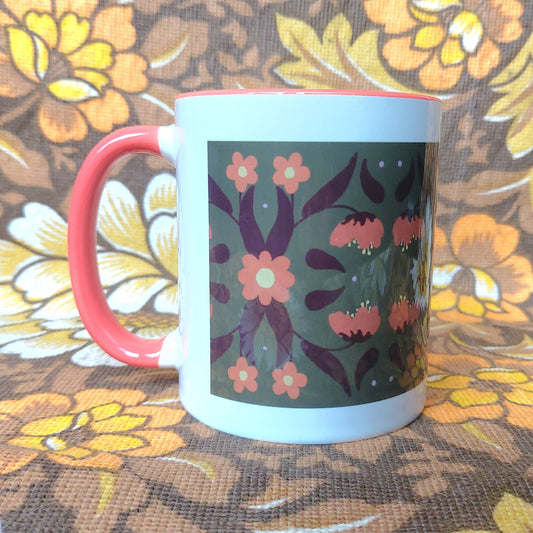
(88, 446)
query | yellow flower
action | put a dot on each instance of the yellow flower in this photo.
(445, 38)
(74, 60)
(489, 393)
(478, 275)
(97, 429)
(138, 264)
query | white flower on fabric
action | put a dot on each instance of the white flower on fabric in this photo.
(137, 259)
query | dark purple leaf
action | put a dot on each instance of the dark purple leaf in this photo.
(368, 361)
(251, 234)
(220, 345)
(319, 260)
(317, 300)
(219, 292)
(327, 195)
(278, 239)
(279, 321)
(219, 254)
(406, 184)
(328, 363)
(251, 318)
(217, 197)
(371, 186)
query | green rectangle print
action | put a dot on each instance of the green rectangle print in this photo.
(320, 261)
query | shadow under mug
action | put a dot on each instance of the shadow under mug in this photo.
(304, 250)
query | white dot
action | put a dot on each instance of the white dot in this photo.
(374, 383)
(381, 164)
(354, 278)
(400, 163)
(391, 379)
(265, 206)
(265, 348)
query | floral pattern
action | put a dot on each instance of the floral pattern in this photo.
(88, 446)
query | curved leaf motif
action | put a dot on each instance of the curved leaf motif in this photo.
(280, 235)
(406, 184)
(328, 363)
(251, 234)
(220, 345)
(218, 198)
(371, 186)
(251, 318)
(367, 361)
(332, 191)
(279, 321)
(319, 260)
(316, 300)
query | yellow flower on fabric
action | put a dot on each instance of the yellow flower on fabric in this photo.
(137, 260)
(74, 60)
(478, 275)
(489, 393)
(98, 428)
(446, 38)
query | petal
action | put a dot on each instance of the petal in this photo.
(159, 443)
(132, 295)
(157, 416)
(472, 397)
(92, 355)
(519, 415)
(117, 267)
(401, 56)
(44, 279)
(46, 404)
(29, 54)
(467, 26)
(487, 58)
(163, 240)
(502, 375)
(105, 411)
(515, 278)
(452, 53)
(114, 25)
(520, 396)
(435, 5)
(107, 112)
(120, 222)
(128, 73)
(12, 259)
(429, 36)
(434, 76)
(102, 461)
(73, 32)
(469, 305)
(83, 8)
(14, 459)
(91, 398)
(12, 83)
(449, 412)
(19, 8)
(478, 240)
(44, 26)
(160, 196)
(61, 122)
(443, 275)
(485, 287)
(72, 90)
(443, 300)
(117, 424)
(114, 443)
(95, 78)
(92, 55)
(12, 301)
(449, 382)
(49, 344)
(393, 14)
(47, 426)
(167, 301)
(24, 330)
(507, 313)
(61, 307)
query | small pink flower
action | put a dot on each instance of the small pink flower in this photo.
(290, 172)
(407, 228)
(363, 229)
(266, 278)
(357, 326)
(243, 375)
(242, 171)
(289, 380)
(403, 314)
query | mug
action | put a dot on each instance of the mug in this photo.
(305, 223)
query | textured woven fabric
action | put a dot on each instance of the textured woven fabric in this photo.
(87, 445)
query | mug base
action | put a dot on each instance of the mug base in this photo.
(309, 425)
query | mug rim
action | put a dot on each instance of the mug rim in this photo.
(301, 92)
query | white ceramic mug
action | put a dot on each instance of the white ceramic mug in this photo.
(305, 235)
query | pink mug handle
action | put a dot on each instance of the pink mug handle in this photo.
(92, 305)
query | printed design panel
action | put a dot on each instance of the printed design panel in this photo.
(319, 270)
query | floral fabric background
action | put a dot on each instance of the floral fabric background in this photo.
(89, 445)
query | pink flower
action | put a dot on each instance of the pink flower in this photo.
(243, 375)
(290, 172)
(242, 171)
(289, 380)
(407, 228)
(266, 278)
(403, 314)
(358, 326)
(363, 229)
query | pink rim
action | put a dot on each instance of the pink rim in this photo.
(330, 92)
(98, 318)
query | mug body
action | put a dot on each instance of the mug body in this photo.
(305, 237)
